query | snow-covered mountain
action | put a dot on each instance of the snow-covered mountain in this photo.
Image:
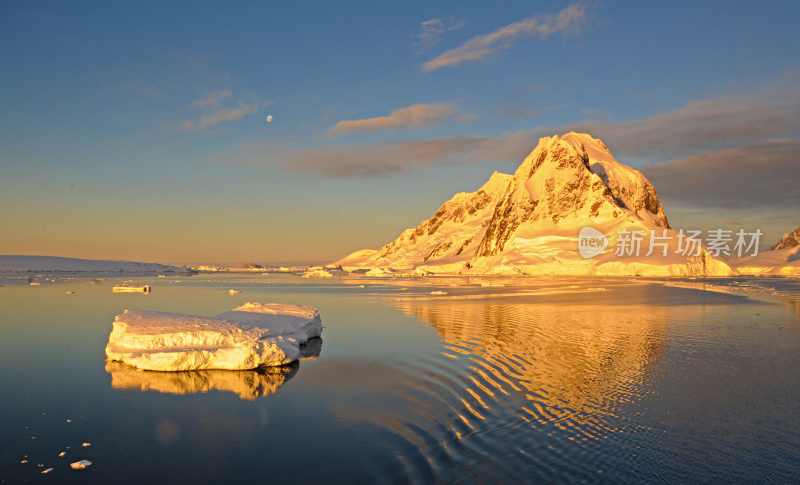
(790, 240)
(783, 259)
(528, 222)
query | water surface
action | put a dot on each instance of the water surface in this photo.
(533, 381)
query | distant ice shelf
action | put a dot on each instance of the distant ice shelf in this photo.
(56, 264)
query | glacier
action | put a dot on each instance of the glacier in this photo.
(776, 262)
(782, 259)
(250, 336)
(527, 223)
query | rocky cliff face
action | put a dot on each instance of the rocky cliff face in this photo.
(528, 222)
(561, 182)
(452, 230)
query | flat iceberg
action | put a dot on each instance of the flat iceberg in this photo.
(320, 273)
(250, 336)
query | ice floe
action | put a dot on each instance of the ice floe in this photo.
(80, 465)
(132, 289)
(250, 336)
(319, 273)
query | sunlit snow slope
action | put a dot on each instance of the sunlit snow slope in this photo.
(528, 222)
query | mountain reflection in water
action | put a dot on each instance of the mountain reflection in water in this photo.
(572, 365)
(516, 385)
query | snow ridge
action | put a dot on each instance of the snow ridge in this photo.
(789, 240)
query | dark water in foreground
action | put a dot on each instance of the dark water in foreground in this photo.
(637, 383)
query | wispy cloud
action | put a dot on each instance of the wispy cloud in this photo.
(765, 175)
(737, 151)
(215, 111)
(477, 48)
(217, 117)
(387, 158)
(432, 30)
(213, 99)
(412, 116)
(724, 122)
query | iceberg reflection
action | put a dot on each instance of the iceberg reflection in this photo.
(246, 384)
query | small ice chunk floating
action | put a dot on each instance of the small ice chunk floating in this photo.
(80, 465)
(250, 336)
(132, 289)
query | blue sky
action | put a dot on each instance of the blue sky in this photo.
(137, 131)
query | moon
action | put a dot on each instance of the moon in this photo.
(269, 118)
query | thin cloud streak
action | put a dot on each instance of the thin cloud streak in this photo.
(735, 152)
(477, 48)
(432, 31)
(765, 175)
(412, 116)
(220, 116)
(390, 158)
(724, 122)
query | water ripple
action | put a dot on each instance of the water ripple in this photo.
(516, 387)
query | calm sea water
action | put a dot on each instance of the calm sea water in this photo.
(556, 382)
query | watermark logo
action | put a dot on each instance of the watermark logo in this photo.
(635, 243)
(591, 242)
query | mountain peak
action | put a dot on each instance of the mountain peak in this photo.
(594, 147)
(497, 183)
(567, 162)
(567, 181)
(789, 240)
(561, 185)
